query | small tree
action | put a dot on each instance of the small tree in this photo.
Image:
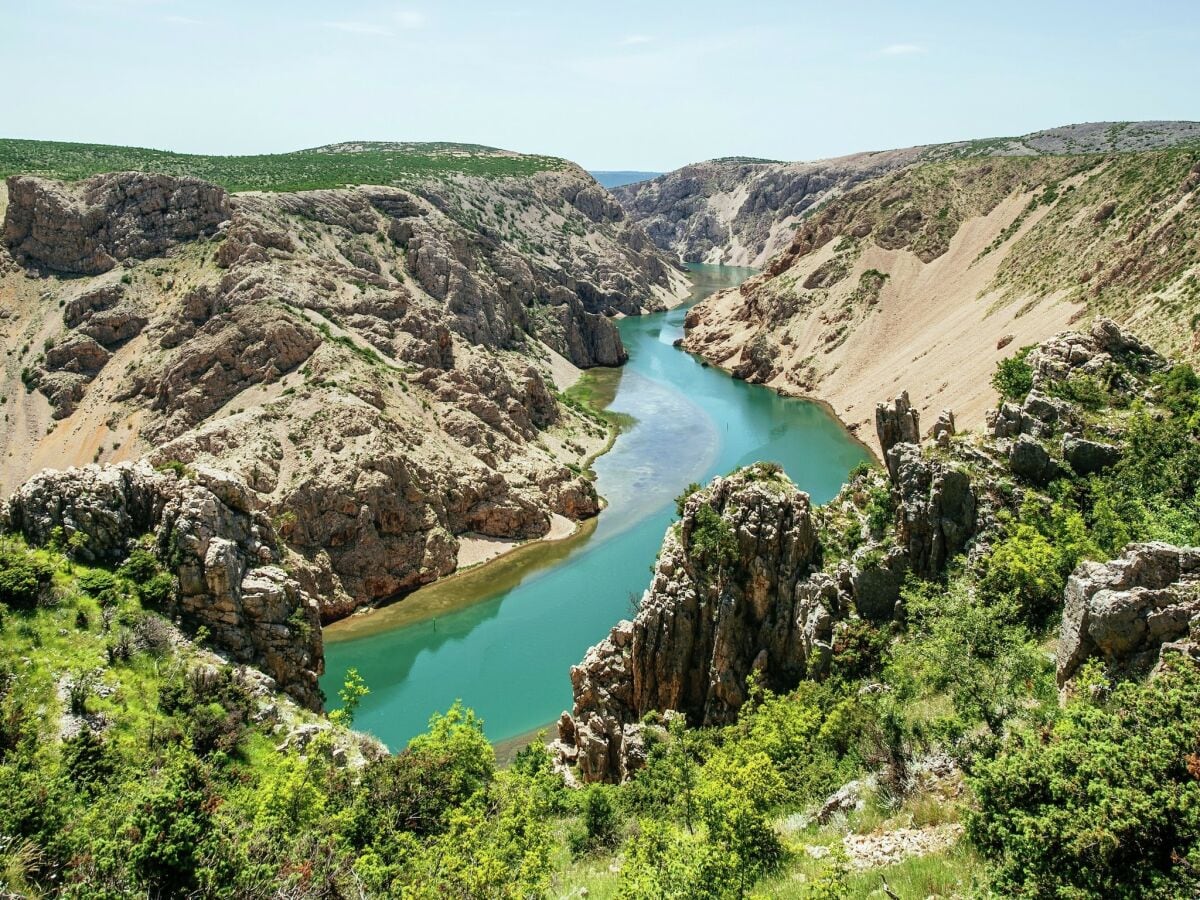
(354, 688)
(681, 757)
(1013, 378)
(75, 543)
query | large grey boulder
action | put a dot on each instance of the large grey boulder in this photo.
(1123, 611)
(1031, 461)
(1086, 457)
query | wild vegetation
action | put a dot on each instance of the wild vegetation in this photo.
(133, 762)
(335, 166)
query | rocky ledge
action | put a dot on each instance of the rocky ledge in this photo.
(87, 228)
(209, 530)
(1131, 610)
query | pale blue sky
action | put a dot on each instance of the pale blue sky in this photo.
(610, 85)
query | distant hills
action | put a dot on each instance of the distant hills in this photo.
(617, 179)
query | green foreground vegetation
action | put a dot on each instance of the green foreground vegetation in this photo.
(323, 167)
(132, 766)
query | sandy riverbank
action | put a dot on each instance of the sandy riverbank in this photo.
(476, 549)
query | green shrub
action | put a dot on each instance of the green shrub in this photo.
(419, 788)
(662, 861)
(972, 650)
(96, 582)
(170, 824)
(1084, 390)
(880, 511)
(713, 542)
(25, 576)
(1105, 805)
(601, 823)
(140, 566)
(1013, 378)
(682, 499)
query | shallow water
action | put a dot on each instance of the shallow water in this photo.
(502, 638)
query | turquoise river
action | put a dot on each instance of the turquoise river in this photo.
(502, 638)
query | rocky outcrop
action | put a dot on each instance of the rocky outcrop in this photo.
(937, 504)
(88, 227)
(734, 591)
(737, 210)
(209, 530)
(897, 424)
(1128, 610)
(742, 586)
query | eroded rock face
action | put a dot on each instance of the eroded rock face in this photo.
(705, 625)
(209, 529)
(368, 361)
(88, 227)
(1126, 610)
(737, 210)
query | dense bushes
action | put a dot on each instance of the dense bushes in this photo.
(1105, 804)
(25, 577)
(974, 650)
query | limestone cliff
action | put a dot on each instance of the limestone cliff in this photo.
(374, 363)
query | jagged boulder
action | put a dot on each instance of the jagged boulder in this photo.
(943, 429)
(208, 529)
(1075, 352)
(1086, 457)
(875, 584)
(899, 423)
(1031, 461)
(1125, 610)
(88, 227)
(937, 508)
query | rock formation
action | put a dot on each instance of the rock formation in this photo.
(210, 530)
(739, 211)
(733, 591)
(373, 363)
(87, 228)
(1127, 611)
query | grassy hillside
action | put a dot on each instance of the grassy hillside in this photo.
(336, 165)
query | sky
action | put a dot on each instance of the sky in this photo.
(614, 85)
